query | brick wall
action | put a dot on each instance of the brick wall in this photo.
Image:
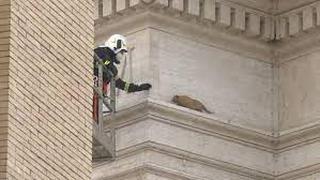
(50, 89)
(4, 65)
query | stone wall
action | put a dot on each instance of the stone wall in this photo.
(225, 13)
(299, 86)
(157, 139)
(238, 89)
(262, 87)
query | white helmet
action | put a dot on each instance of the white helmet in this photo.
(117, 43)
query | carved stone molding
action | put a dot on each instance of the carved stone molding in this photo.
(152, 153)
(278, 30)
(186, 27)
(294, 22)
(156, 111)
(148, 149)
(298, 137)
(175, 115)
(178, 153)
(235, 15)
(251, 22)
(283, 6)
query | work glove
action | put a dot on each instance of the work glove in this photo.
(144, 86)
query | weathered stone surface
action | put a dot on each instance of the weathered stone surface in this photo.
(237, 88)
(267, 89)
(299, 86)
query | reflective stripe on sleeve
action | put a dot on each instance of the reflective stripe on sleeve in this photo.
(107, 62)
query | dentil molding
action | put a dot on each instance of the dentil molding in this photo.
(266, 21)
(277, 25)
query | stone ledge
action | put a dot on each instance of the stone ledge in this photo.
(150, 153)
(201, 122)
(312, 176)
(300, 173)
(188, 156)
(298, 137)
(151, 169)
(166, 161)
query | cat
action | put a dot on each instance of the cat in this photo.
(190, 103)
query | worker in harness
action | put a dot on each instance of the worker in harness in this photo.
(114, 49)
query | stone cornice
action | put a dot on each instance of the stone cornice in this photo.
(185, 26)
(225, 23)
(265, 6)
(181, 154)
(284, 6)
(294, 22)
(152, 169)
(192, 120)
(200, 122)
(153, 147)
(248, 21)
(153, 110)
(298, 137)
(299, 173)
(237, 15)
(292, 48)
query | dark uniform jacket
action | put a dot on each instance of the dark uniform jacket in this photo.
(109, 58)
